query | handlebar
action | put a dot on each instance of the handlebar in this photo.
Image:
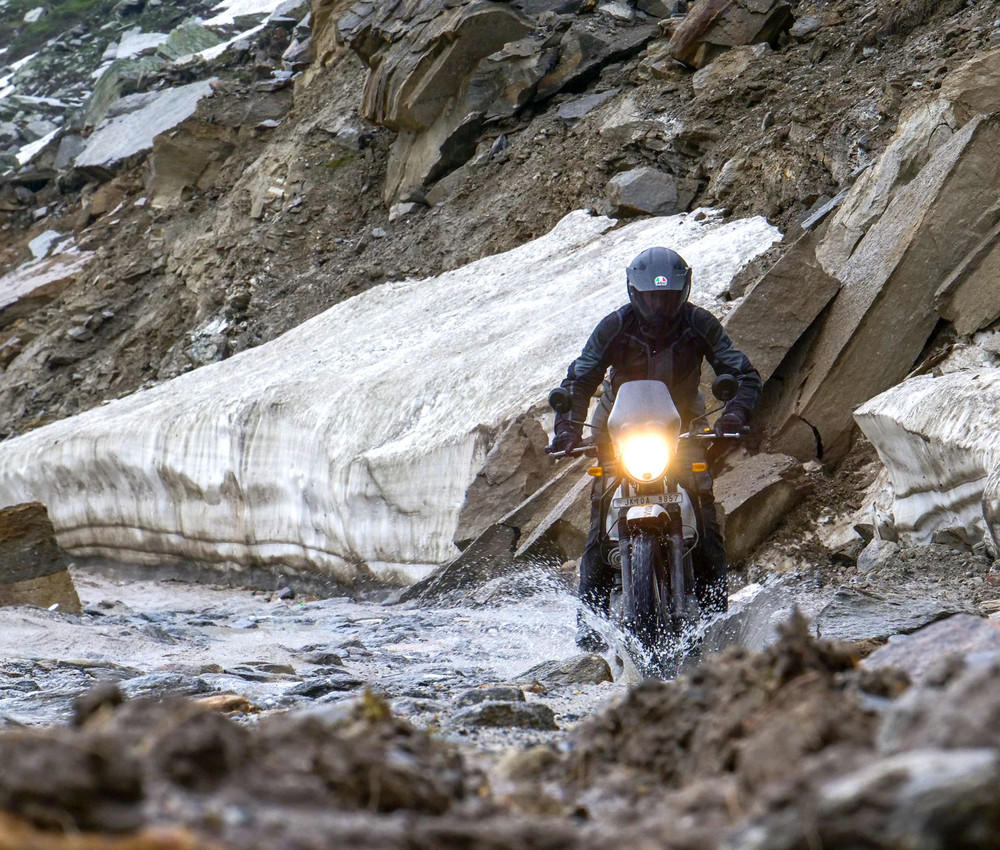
(587, 447)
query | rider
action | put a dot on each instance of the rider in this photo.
(658, 336)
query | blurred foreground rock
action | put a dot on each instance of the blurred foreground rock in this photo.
(33, 569)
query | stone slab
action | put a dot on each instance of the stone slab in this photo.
(33, 569)
(854, 615)
(781, 306)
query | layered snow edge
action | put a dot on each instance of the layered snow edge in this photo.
(937, 437)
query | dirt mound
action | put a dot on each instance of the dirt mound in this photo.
(754, 716)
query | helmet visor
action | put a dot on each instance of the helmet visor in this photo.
(657, 304)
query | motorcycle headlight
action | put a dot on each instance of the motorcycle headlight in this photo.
(645, 457)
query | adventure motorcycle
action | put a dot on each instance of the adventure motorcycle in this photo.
(649, 521)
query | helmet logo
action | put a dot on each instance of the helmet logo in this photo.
(661, 281)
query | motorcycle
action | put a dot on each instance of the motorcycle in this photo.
(649, 521)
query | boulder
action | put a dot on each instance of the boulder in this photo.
(33, 285)
(186, 160)
(968, 297)
(728, 68)
(647, 191)
(781, 306)
(855, 615)
(124, 136)
(505, 715)
(33, 569)
(581, 106)
(878, 323)
(494, 693)
(754, 498)
(661, 8)
(713, 26)
(937, 439)
(584, 669)
(964, 636)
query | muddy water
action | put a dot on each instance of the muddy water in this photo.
(157, 638)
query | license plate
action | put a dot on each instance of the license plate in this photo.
(640, 501)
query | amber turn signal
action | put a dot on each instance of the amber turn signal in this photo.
(699, 467)
(596, 471)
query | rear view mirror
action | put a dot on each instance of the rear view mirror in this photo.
(561, 400)
(725, 387)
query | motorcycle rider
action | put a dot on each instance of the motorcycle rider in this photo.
(659, 336)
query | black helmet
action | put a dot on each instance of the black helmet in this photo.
(659, 282)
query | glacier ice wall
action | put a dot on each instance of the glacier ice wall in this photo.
(350, 440)
(937, 437)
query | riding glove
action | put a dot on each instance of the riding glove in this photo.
(565, 438)
(731, 422)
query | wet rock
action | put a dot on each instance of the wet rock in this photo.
(853, 615)
(159, 685)
(886, 302)
(713, 26)
(661, 8)
(323, 685)
(324, 658)
(781, 306)
(918, 654)
(647, 191)
(33, 569)
(227, 704)
(755, 497)
(494, 693)
(584, 669)
(520, 715)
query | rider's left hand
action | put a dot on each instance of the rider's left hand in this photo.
(731, 422)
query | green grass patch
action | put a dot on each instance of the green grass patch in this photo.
(25, 39)
(339, 161)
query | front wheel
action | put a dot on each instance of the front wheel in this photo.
(646, 573)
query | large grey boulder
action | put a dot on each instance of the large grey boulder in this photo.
(647, 191)
(962, 636)
(754, 498)
(881, 318)
(782, 305)
(854, 615)
(126, 135)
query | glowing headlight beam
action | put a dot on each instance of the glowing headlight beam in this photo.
(645, 457)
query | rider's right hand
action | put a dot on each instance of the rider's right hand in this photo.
(564, 440)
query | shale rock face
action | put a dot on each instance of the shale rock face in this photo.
(33, 569)
(440, 73)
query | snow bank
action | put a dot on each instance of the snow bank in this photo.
(937, 437)
(353, 438)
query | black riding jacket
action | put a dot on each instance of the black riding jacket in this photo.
(619, 343)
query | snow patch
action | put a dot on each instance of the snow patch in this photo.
(353, 438)
(41, 246)
(937, 436)
(228, 11)
(136, 42)
(30, 151)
